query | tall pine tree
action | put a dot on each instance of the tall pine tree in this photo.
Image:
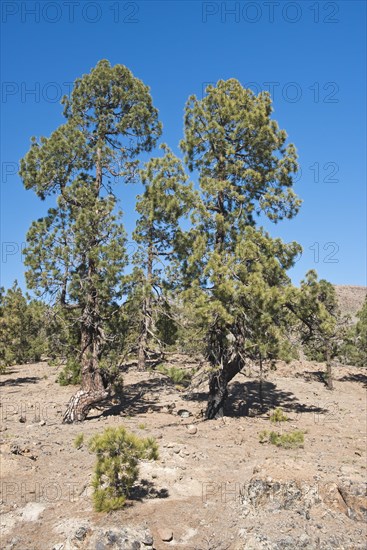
(76, 254)
(321, 326)
(245, 170)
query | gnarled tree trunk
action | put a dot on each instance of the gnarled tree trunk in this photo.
(329, 374)
(93, 389)
(147, 312)
(218, 391)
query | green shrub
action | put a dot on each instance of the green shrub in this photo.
(70, 374)
(278, 415)
(118, 454)
(178, 376)
(289, 440)
(111, 374)
(78, 441)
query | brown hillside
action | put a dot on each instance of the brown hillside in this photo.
(350, 299)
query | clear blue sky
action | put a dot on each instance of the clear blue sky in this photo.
(313, 54)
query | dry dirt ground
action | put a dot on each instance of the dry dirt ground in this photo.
(219, 488)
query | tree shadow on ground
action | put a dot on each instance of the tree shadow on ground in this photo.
(244, 400)
(314, 376)
(133, 400)
(146, 489)
(19, 381)
(360, 378)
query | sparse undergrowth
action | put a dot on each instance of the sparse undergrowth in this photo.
(291, 440)
(117, 468)
(70, 374)
(278, 416)
(180, 377)
(78, 441)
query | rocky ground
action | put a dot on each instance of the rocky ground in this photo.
(215, 486)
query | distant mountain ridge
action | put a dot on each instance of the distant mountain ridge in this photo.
(350, 299)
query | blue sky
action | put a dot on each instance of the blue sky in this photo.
(310, 55)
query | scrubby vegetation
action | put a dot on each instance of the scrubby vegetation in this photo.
(290, 440)
(78, 441)
(117, 467)
(181, 377)
(70, 374)
(278, 416)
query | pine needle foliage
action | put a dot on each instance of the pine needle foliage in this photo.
(117, 467)
(22, 328)
(291, 440)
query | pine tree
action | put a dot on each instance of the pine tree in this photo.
(167, 198)
(245, 170)
(322, 327)
(76, 254)
(360, 337)
(22, 328)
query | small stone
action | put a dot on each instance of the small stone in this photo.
(42, 423)
(183, 413)
(14, 449)
(165, 534)
(112, 537)
(148, 539)
(192, 430)
(22, 419)
(80, 533)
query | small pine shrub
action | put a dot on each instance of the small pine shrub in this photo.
(291, 440)
(111, 374)
(178, 376)
(264, 436)
(118, 454)
(70, 374)
(78, 441)
(278, 416)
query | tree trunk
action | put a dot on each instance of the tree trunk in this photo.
(147, 310)
(92, 389)
(218, 391)
(329, 376)
(218, 394)
(261, 396)
(143, 341)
